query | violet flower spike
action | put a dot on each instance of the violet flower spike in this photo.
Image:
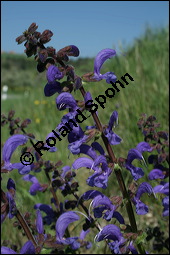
(141, 208)
(101, 57)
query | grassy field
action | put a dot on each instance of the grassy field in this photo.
(146, 61)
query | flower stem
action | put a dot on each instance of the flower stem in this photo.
(26, 228)
(117, 172)
(119, 176)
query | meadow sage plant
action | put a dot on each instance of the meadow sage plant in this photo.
(94, 217)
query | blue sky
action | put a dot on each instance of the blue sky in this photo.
(90, 25)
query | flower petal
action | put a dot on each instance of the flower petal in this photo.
(53, 73)
(6, 250)
(165, 203)
(113, 119)
(62, 223)
(143, 188)
(156, 174)
(143, 146)
(66, 100)
(82, 162)
(28, 248)
(111, 232)
(101, 57)
(52, 88)
(9, 147)
(90, 194)
(39, 223)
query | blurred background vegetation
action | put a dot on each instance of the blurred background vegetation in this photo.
(147, 61)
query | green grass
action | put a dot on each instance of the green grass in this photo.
(146, 61)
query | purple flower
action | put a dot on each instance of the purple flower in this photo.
(101, 203)
(165, 203)
(70, 50)
(131, 248)
(101, 57)
(141, 208)
(136, 153)
(53, 73)
(156, 174)
(28, 248)
(111, 136)
(9, 207)
(39, 223)
(65, 119)
(74, 51)
(82, 237)
(76, 138)
(51, 88)
(88, 150)
(40, 237)
(62, 223)
(66, 100)
(100, 167)
(9, 147)
(98, 147)
(162, 188)
(36, 186)
(111, 232)
(49, 211)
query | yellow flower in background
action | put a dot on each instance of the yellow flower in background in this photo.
(36, 102)
(37, 120)
(44, 102)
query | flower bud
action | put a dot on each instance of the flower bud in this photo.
(32, 28)
(25, 123)
(43, 55)
(20, 39)
(88, 77)
(11, 114)
(46, 36)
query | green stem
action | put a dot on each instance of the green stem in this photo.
(118, 173)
